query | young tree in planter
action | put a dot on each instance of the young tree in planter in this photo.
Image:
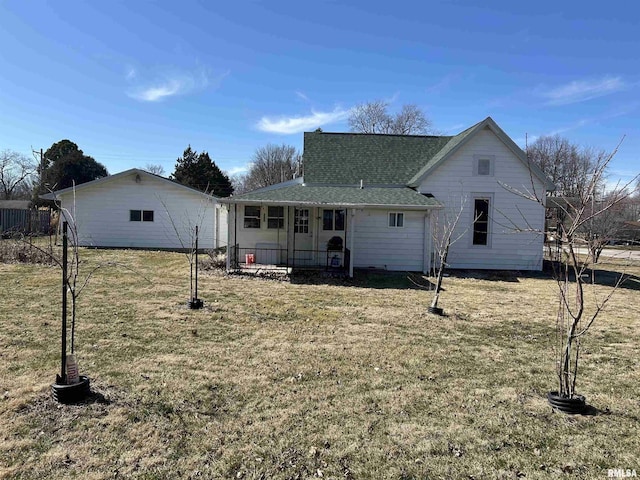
(69, 386)
(189, 244)
(444, 234)
(579, 304)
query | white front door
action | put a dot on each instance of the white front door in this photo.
(303, 237)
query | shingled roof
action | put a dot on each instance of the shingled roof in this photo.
(338, 196)
(336, 164)
(376, 159)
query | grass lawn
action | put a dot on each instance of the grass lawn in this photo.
(307, 379)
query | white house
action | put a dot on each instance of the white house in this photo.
(137, 209)
(371, 201)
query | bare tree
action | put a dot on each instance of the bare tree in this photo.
(601, 230)
(270, 165)
(16, 175)
(154, 168)
(444, 234)
(569, 166)
(239, 182)
(373, 117)
(580, 303)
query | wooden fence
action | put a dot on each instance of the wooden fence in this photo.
(24, 221)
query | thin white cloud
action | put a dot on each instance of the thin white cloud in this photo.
(172, 84)
(454, 128)
(573, 126)
(393, 98)
(131, 73)
(583, 90)
(238, 170)
(302, 96)
(618, 112)
(443, 84)
(158, 92)
(290, 125)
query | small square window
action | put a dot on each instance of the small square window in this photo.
(135, 215)
(396, 219)
(147, 215)
(483, 165)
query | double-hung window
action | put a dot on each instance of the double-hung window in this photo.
(333, 220)
(275, 217)
(396, 219)
(251, 216)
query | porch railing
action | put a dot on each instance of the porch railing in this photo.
(248, 257)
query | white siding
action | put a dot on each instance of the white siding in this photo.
(377, 245)
(102, 214)
(250, 237)
(454, 179)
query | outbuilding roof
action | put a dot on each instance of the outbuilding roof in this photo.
(110, 178)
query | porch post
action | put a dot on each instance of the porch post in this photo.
(216, 230)
(229, 237)
(426, 262)
(352, 231)
(286, 241)
(314, 240)
(293, 251)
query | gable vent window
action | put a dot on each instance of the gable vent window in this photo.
(141, 215)
(483, 166)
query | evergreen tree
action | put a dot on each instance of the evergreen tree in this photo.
(64, 165)
(200, 172)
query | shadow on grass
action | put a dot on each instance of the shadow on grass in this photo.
(378, 279)
(92, 398)
(591, 411)
(602, 277)
(384, 279)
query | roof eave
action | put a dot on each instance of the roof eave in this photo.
(232, 201)
(470, 133)
(108, 178)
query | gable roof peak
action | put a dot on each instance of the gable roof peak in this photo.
(361, 134)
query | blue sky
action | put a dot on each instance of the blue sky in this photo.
(136, 82)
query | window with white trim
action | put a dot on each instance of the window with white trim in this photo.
(396, 219)
(251, 216)
(333, 220)
(141, 215)
(481, 221)
(275, 217)
(301, 220)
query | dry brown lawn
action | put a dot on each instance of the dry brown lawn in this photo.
(308, 379)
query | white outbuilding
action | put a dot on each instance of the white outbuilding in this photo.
(137, 209)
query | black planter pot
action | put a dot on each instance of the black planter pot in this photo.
(436, 310)
(573, 405)
(195, 304)
(74, 393)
